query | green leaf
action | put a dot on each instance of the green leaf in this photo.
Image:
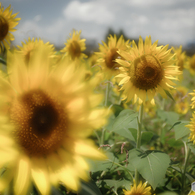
(146, 137)
(181, 130)
(168, 193)
(89, 188)
(169, 117)
(175, 143)
(168, 94)
(114, 184)
(192, 147)
(152, 165)
(125, 120)
(103, 165)
(117, 109)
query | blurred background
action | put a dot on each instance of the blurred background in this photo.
(169, 21)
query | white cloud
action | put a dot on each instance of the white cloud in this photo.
(92, 11)
(37, 18)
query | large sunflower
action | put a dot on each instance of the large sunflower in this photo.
(109, 53)
(141, 189)
(75, 46)
(46, 117)
(7, 24)
(147, 69)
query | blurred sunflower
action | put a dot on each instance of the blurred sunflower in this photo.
(180, 96)
(29, 46)
(141, 189)
(7, 24)
(109, 53)
(75, 46)
(46, 117)
(191, 127)
(181, 57)
(147, 69)
(191, 64)
(193, 99)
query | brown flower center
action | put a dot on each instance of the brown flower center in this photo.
(111, 56)
(74, 50)
(4, 28)
(146, 72)
(40, 122)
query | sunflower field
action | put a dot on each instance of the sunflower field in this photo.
(119, 121)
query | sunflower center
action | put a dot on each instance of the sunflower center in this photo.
(4, 28)
(146, 72)
(40, 122)
(111, 56)
(74, 49)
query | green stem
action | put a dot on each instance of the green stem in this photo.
(187, 155)
(138, 143)
(105, 104)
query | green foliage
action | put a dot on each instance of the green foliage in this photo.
(181, 130)
(155, 165)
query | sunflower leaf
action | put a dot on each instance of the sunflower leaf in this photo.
(152, 165)
(168, 94)
(125, 120)
(181, 130)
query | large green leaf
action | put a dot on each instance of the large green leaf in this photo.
(125, 120)
(181, 130)
(168, 193)
(103, 165)
(152, 165)
(169, 117)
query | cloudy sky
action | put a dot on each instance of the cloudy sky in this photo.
(170, 21)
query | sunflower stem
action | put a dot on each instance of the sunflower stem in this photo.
(187, 155)
(105, 104)
(138, 143)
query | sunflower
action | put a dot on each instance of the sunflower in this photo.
(75, 46)
(7, 24)
(191, 126)
(181, 57)
(29, 46)
(193, 99)
(46, 117)
(109, 53)
(180, 96)
(147, 69)
(191, 64)
(141, 189)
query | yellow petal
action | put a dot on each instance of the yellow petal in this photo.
(22, 180)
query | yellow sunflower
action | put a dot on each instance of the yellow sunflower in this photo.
(191, 64)
(141, 189)
(29, 46)
(147, 69)
(75, 46)
(193, 99)
(7, 24)
(181, 57)
(180, 96)
(46, 117)
(109, 53)
(191, 127)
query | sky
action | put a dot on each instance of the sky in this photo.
(169, 21)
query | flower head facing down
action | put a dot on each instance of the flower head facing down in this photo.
(46, 117)
(109, 53)
(75, 46)
(141, 189)
(146, 70)
(7, 24)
